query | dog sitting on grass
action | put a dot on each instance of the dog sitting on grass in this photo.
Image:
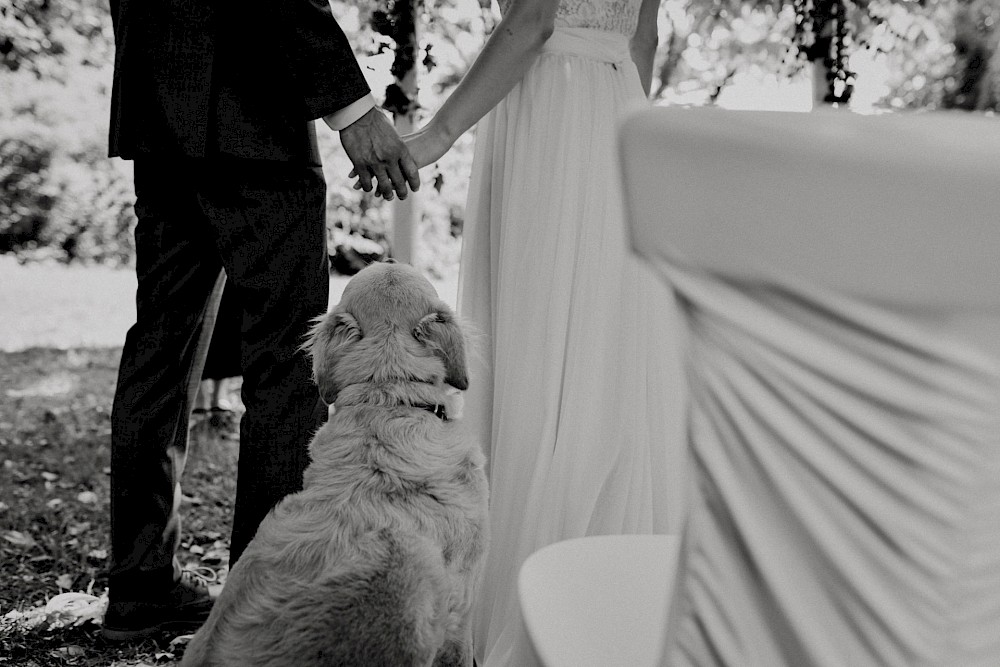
(374, 562)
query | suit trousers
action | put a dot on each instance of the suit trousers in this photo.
(263, 224)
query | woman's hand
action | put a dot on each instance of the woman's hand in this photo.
(428, 144)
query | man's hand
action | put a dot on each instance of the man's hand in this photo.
(377, 152)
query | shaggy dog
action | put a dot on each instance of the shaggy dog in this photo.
(374, 562)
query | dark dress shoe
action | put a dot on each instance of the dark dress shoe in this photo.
(183, 609)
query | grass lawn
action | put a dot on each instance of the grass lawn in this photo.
(54, 428)
(61, 330)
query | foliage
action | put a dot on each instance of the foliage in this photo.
(397, 21)
(60, 197)
(54, 532)
(976, 82)
(706, 43)
(25, 194)
(48, 38)
(945, 57)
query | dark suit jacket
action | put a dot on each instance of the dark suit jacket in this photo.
(244, 78)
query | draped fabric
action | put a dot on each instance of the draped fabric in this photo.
(845, 500)
(572, 389)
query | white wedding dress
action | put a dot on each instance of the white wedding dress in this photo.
(576, 386)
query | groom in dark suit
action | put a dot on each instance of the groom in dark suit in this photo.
(213, 100)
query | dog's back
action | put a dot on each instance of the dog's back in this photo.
(389, 594)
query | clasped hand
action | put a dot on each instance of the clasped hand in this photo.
(377, 152)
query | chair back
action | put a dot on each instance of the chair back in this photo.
(899, 208)
(840, 282)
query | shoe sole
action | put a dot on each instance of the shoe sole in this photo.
(113, 635)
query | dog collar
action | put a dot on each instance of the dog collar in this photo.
(437, 410)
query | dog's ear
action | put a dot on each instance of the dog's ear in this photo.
(327, 340)
(441, 332)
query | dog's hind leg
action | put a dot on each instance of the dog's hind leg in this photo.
(386, 605)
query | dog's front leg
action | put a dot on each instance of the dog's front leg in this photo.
(457, 648)
(455, 653)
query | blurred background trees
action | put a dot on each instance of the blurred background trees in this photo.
(61, 198)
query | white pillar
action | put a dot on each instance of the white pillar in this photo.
(406, 213)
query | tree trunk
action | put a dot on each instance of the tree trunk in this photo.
(405, 213)
(820, 83)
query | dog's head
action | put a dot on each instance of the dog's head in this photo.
(389, 325)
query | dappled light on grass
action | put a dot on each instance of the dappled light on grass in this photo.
(55, 432)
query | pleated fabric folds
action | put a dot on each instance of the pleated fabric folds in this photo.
(845, 496)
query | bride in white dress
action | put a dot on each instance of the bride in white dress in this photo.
(578, 389)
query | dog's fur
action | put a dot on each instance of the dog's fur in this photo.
(374, 562)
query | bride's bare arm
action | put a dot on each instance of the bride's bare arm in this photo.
(506, 56)
(643, 44)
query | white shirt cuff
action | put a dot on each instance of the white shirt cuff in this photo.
(341, 118)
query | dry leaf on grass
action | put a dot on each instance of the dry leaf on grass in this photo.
(65, 609)
(19, 539)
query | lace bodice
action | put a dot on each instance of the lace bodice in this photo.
(618, 16)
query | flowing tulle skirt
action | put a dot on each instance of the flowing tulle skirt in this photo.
(577, 384)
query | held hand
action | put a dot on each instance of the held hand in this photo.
(427, 144)
(376, 151)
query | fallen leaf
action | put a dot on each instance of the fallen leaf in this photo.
(75, 609)
(216, 555)
(196, 550)
(19, 539)
(65, 581)
(79, 527)
(87, 497)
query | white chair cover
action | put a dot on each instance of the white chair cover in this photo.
(845, 456)
(597, 601)
(848, 498)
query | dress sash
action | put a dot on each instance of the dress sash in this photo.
(600, 45)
